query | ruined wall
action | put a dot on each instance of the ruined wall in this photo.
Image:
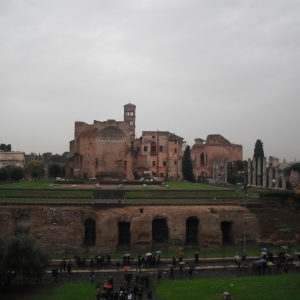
(12, 159)
(61, 228)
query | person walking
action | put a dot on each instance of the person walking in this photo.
(92, 277)
(69, 267)
(196, 257)
(149, 295)
(64, 265)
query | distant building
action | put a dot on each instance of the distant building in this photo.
(12, 159)
(214, 148)
(109, 150)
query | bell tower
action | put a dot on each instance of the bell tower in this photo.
(129, 116)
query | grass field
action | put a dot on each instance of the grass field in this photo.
(184, 190)
(276, 287)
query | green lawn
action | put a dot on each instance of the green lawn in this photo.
(276, 287)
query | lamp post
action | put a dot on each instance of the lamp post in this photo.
(245, 188)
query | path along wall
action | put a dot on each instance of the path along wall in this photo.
(61, 228)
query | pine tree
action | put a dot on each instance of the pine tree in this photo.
(259, 150)
(187, 168)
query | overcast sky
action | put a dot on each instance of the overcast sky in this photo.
(191, 67)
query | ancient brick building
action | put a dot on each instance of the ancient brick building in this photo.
(109, 150)
(12, 158)
(215, 148)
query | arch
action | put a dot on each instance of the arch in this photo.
(191, 236)
(160, 230)
(124, 233)
(153, 147)
(226, 228)
(89, 231)
(203, 159)
(22, 224)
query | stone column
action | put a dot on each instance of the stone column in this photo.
(222, 170)
(214, 170)
(270, 172)
(254, 171)
(283, 181)
(258, 171)
(276, 177)
(249, 172)
(264, 173)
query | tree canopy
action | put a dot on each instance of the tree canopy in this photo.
(187, 168)
(35, 169)
(54, 170)
(259, 149)
(295, 167)
(4, 147)
(20, 255)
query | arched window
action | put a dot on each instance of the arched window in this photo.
(203, 159)
(160, 231)
(226, 228)
(124, 233)
(191, 237)
(90, 232)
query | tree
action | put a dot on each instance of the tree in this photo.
(16, 173)
(8, 147)
(46, 155)
(295, 167)
(19, 255)
(3, 174)
(54, 170)
(35, 169)
(259, 150)
(187, 168)
(2, 147)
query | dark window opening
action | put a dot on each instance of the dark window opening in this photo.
(85, 177)
(203, 159)
(226, 228)
(124, 233)
(145, 148)
(175, 162)
(160, 231)
(191, 236)
(164, 163)
(162, 174)
(96, 163)
(138, 148)
(125, 165)
(161, 148)
(175, 150)
(90, 232)
(153, 163)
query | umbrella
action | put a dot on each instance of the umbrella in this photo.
(181, 253)
(191, 265)
(263, 249)
(127, 268)
(263, 253)
(160, 271)
(182, 263)
(297, 253)
(170, 266)
(269, 264)
(158, 252)
(148, 254)
(126, 255)
(263, 261)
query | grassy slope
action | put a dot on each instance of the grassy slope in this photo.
(247, 288)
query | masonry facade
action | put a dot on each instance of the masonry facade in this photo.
(16, 159)
(214, 149)
(109, 149)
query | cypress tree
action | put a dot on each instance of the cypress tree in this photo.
(187, 168)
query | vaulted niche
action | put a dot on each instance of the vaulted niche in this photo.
(226, 228)
(124, 233)
(160, 231)
(22, 224)
(90, 232)
(191, 236)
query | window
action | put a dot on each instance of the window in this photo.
(145, 148)
(175, 142)
(96, 163)
(131, 123)
(161, 148)
(153, 163)
(138, 149)
(160, 231)
(131, 132)
(175, 162)
(164, 163)
(175, 150)
(153, 136)
(153, 147)
(90, 232)
(162, 174)
(124, 233)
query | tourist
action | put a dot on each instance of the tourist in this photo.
(108, 260)
(286, 268)
(140, 293)
(149, 295)
(116, 296)
(196, 257)
(98, 294)
(122, 297)
(92, 277)
(69, 267)
(104, 295)
(172, 273)
(61, 266)
(174, 261)
(147, 280)
(64, 265)
(111, 281)
(118, 265)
